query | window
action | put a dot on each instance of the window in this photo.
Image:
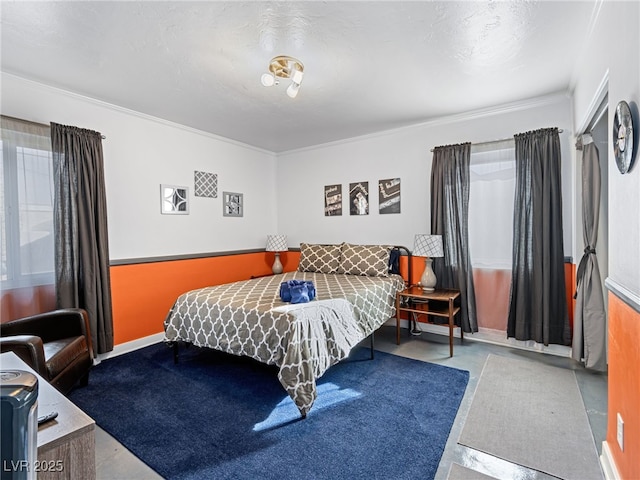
(26, 205)
(491, 195)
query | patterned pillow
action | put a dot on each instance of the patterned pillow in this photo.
(319, 258)
(370, 260)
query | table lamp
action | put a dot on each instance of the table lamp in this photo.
(428, 246)
(277, 243)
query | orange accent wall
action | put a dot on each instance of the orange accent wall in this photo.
(492, 288)
(570, 285)
(417, 267)
(624, 386)
(143, 293)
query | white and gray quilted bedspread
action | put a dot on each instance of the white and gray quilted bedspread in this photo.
(303, 340)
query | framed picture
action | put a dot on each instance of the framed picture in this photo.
(205, 184)
(332, 200)
(359, 198)
(174, 200)
(389, 195)
(232, 204)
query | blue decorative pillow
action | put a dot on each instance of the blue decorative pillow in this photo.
(285, 292)
(297, 291)
(312, 289)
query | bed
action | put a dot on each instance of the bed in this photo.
(355, 295)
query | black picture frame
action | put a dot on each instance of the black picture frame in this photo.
(332, 200)
(359, 198)
(389, 196)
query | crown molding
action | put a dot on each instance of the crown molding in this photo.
(435, 122)
(596, 101)
(134, 113)
(591, 26)
(526, 104)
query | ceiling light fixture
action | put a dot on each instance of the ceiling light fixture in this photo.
(284, 66)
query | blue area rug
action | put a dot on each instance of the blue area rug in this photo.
(216, 416)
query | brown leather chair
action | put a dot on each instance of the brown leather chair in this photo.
(55, 344)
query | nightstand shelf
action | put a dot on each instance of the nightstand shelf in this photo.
(439, 303)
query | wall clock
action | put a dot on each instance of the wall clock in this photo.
(623, 132)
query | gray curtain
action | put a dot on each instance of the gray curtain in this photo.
(80, 221)
(589, 324)
(450, 218)
(537, 303)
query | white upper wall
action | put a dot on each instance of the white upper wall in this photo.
(612, 52)
(140, 154)
(403, 153)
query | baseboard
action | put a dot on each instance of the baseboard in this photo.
(496, 337)
(608, 463)
(486, 335)
(131, 346)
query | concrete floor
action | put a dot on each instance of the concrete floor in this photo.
(114, 462)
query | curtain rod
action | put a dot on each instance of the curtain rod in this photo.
(497, 141)
(40, 124)
(104, 137)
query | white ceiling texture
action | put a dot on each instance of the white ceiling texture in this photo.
(369, 66)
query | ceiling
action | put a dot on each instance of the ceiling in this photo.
(369, 66)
